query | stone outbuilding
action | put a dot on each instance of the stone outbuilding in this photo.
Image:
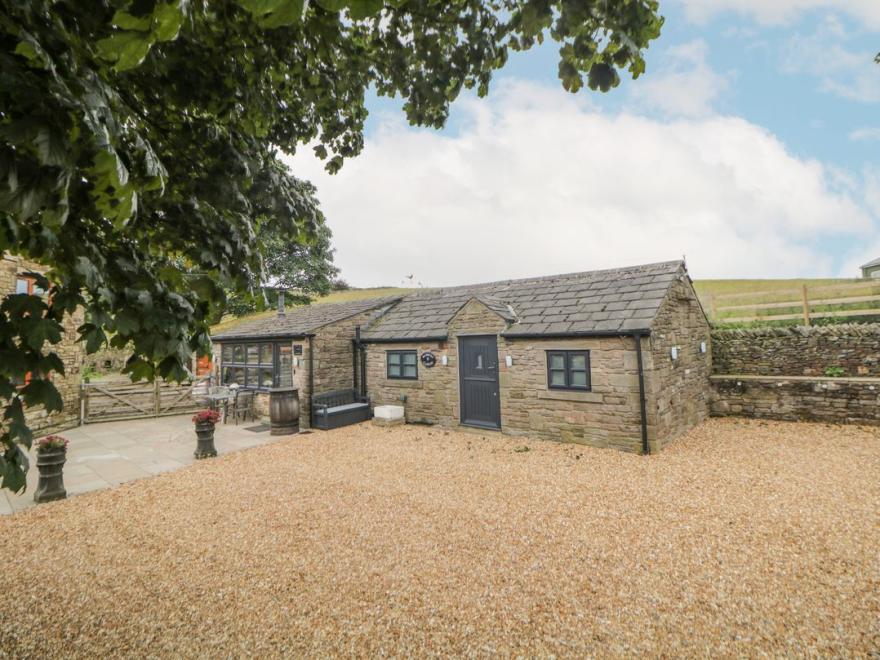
(311, 347)
(613, 358)
(16, 278)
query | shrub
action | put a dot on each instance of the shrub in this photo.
(206, 416)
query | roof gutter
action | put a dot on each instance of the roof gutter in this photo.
(644, 332)
(258, 338)
(401, 340)
(578, 333)
(637, 336)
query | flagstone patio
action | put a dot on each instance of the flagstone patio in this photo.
(108, 454)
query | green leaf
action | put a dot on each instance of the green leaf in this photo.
(167, 21)
(41, 391)
(332, 5)
(125, 49)
(122, 19)
(358, 9)
(15, 465)
(288, 12)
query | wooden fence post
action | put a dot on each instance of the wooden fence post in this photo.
(157, 396)
(806, 307)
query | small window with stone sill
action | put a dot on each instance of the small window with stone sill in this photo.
(568, 370)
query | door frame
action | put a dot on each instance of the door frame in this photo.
(461, 384)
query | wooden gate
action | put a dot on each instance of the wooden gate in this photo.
(104, 402)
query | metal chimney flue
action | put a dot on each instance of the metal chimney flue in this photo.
(281, 303)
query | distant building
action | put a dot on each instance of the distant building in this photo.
(871, 270)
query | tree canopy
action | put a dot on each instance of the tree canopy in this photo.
(140, 139)
(300, 270)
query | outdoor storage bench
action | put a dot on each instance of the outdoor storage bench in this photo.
(340, 408)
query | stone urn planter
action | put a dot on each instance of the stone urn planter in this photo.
(51, 456)
(205, 420)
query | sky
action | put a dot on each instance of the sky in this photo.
(749, 147)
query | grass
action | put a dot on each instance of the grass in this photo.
(757, 292)
(761, 291)
(335, 297)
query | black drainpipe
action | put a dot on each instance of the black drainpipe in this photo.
(644, 410)
(311, 381)
(355, 358)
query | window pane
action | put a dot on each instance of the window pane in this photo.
(266, 354)
(394, 371)
(233, 375)
(253, 354)
(393, 358)
(409, 358)
(227, 353)
(21, 285)
(557, 378)
(409, 371)
(285, 366)
(238, 353)
(266, 377)
(479, 361)
(578, 378)
(578, 361)
(557, 361)
(253, 377)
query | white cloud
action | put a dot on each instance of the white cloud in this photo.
(843, 72)
(865, 134)
(681, 83)
(537, 182)
(782, 11)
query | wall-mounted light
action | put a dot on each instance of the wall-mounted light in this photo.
(674, 352)
(444, 360)
(508, 360)
(702, 347)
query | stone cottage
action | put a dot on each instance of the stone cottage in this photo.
(14, 279)
(309, 347)
(613, 358)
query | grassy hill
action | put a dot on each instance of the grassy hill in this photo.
(784, 297)
(335, 297)
(830, 300)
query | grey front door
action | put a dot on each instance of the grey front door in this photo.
(478, 375)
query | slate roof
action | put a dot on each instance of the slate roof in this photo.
(596, 302)
(871, 264)
(303, 320)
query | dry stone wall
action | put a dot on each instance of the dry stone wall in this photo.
(69, 350)
(854, 349)
(833, 400)
(827, 373)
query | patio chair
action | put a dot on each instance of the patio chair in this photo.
(243, 405)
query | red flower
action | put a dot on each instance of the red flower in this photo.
(52, 442)
(206, 416)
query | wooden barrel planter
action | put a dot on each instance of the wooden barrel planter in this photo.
(284, 410)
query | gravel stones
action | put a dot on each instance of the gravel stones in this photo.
(742, 538)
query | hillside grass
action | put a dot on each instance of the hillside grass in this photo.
(752, 291)
(335, 297)
(755, 292)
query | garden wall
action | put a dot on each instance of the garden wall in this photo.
(822, 374)
(852, 349)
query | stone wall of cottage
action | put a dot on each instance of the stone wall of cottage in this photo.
(679, 388)
(607, 416)
(333, 366)
(853, 349)
(69, 350)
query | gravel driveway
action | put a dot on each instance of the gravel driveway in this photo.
(742, 538)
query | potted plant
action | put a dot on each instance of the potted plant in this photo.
(205, 421)
(51, 456)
